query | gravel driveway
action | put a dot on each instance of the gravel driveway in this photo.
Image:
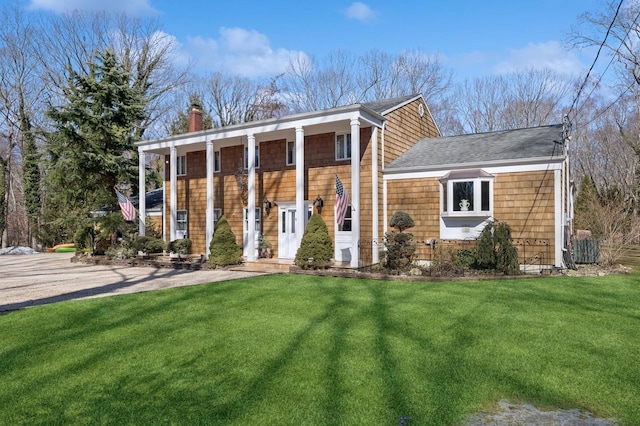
(39, 279)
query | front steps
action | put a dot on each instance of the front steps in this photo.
(269, 266)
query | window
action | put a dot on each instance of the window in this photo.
(246, 219)
(467, 193)
(291, 153)
(216, 161)
(181, 220)
(346, 226)
(462, 196)
(217, 214)
(343, 147)
(246, 158)
(181, 166)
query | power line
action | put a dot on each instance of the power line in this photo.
(586, 79)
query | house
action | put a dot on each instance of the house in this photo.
(453, 186)
(389, 155)
(154, 203)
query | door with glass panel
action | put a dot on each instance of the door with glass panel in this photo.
(287, 223)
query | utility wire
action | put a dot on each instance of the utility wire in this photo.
(586, 79)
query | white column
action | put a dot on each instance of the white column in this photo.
(173, 200)
(251, 201)
(559, 231)
(375, 235)
(301, 214)
(142, 199)
(355, 192)
(210, 201)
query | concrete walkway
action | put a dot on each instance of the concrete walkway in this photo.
(39, 279)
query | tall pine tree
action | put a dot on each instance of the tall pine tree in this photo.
(91, 149)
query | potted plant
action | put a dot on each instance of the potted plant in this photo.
(264, 247)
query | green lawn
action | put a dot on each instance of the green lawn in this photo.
(303, 350)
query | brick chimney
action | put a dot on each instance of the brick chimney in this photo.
(195, 118)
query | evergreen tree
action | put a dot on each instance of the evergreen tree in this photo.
(223, 249)
(91, 149)
(316, 247)
(585, 200)
(3, 196)
(31, 172)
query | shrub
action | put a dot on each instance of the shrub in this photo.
(120, 251)
(83, 238)
(401, 221)
(495, 250)
(400, 248)
(484, 251)
(223, 249)
(316, 247)
(147, 244)
(180, 246)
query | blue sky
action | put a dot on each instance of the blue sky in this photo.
(257, 38)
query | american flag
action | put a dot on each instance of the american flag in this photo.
(342, 202)
(128, 211)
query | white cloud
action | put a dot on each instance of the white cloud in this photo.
(550, 55)
(131, 7)
(239, 52)
(360, 12)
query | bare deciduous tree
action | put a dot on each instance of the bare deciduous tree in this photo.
(523, 99)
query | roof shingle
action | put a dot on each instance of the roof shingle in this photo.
(491, 147)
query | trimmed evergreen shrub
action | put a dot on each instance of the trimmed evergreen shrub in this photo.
(223, 249)
(147, 244)
(400, 248)
(484, 251)
(180, 246)
(316, 247)
(506, 253)
(401, 221)
(495, 250)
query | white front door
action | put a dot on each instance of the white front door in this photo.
(287, 223)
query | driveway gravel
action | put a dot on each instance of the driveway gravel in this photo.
(43, 278)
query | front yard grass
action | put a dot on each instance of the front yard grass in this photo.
(305, 350)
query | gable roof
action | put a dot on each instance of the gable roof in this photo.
(507, 146)
(385, 106)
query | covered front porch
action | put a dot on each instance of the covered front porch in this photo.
(291, 197)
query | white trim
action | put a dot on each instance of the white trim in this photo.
(515, 168)
(350, 112)
(400, 105)
(210, 157)
(300, 201)
(142, 193)
(173, 199)
(375, 210)
(251, 202)
(559, 234)
(355, 192)
(385, 202)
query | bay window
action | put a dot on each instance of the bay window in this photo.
(467, 193)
